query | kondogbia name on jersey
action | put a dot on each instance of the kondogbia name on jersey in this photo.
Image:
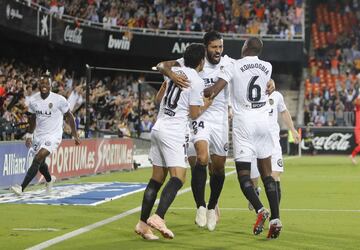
(254, 65)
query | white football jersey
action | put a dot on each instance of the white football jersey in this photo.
(219, 108)
(248, 78)
(174, 107)
(49, 114)
(277, 105)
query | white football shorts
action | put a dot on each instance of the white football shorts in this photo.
(276, 160)
(251, 139)
(167, 150)
(215, 134)
(49, 143)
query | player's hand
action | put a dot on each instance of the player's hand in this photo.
(208, 101)
(180, 80)
(296, 136)
(28, 142)
(77, 140)
(270, 87)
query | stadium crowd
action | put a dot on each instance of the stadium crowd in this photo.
(280, 17)
(333, 85)
(113, 101)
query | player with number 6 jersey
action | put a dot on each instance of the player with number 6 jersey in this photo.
(248, 78)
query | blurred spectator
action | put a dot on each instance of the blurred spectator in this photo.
(238, 16)
(333, 84)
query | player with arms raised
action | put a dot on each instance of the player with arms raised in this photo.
(45, 131)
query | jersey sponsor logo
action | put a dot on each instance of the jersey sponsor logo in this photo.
(280, 163)
(226, 147)
(254, 65)
(257, 105)
(209, 81)
(43, 113)
(169, 112)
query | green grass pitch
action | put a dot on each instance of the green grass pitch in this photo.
(320, 209)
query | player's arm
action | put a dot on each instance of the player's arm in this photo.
(30, 130)
(69, 117)
(165, 69)
(196, 111)
(214, 90)
(160, 93)
(270, 87)
(285, 115)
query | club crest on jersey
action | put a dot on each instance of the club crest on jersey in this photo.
(48, 143)
(271, 101)
(226, 147)
(280, 163)
(50, 105)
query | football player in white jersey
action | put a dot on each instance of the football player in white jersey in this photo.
(248, 78)
(277, 106)
(168, 146)
(45, 131)
(209, 133)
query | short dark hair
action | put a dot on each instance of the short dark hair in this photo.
(211, 36)
(254, 45)
(193, 55)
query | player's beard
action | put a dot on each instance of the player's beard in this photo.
(211, 58)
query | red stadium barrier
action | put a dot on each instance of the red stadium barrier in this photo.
(92, 156)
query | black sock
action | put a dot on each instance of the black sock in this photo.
(257, 191)
(216, 185)
(31, 173)
(271, 193)
(278, 190)
(168, 195)
(249, 192)
(198, 182)
(149, 199)
(44, 170)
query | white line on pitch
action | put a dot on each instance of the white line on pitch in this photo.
(37, 229)
(101, 223)
(282, 209)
